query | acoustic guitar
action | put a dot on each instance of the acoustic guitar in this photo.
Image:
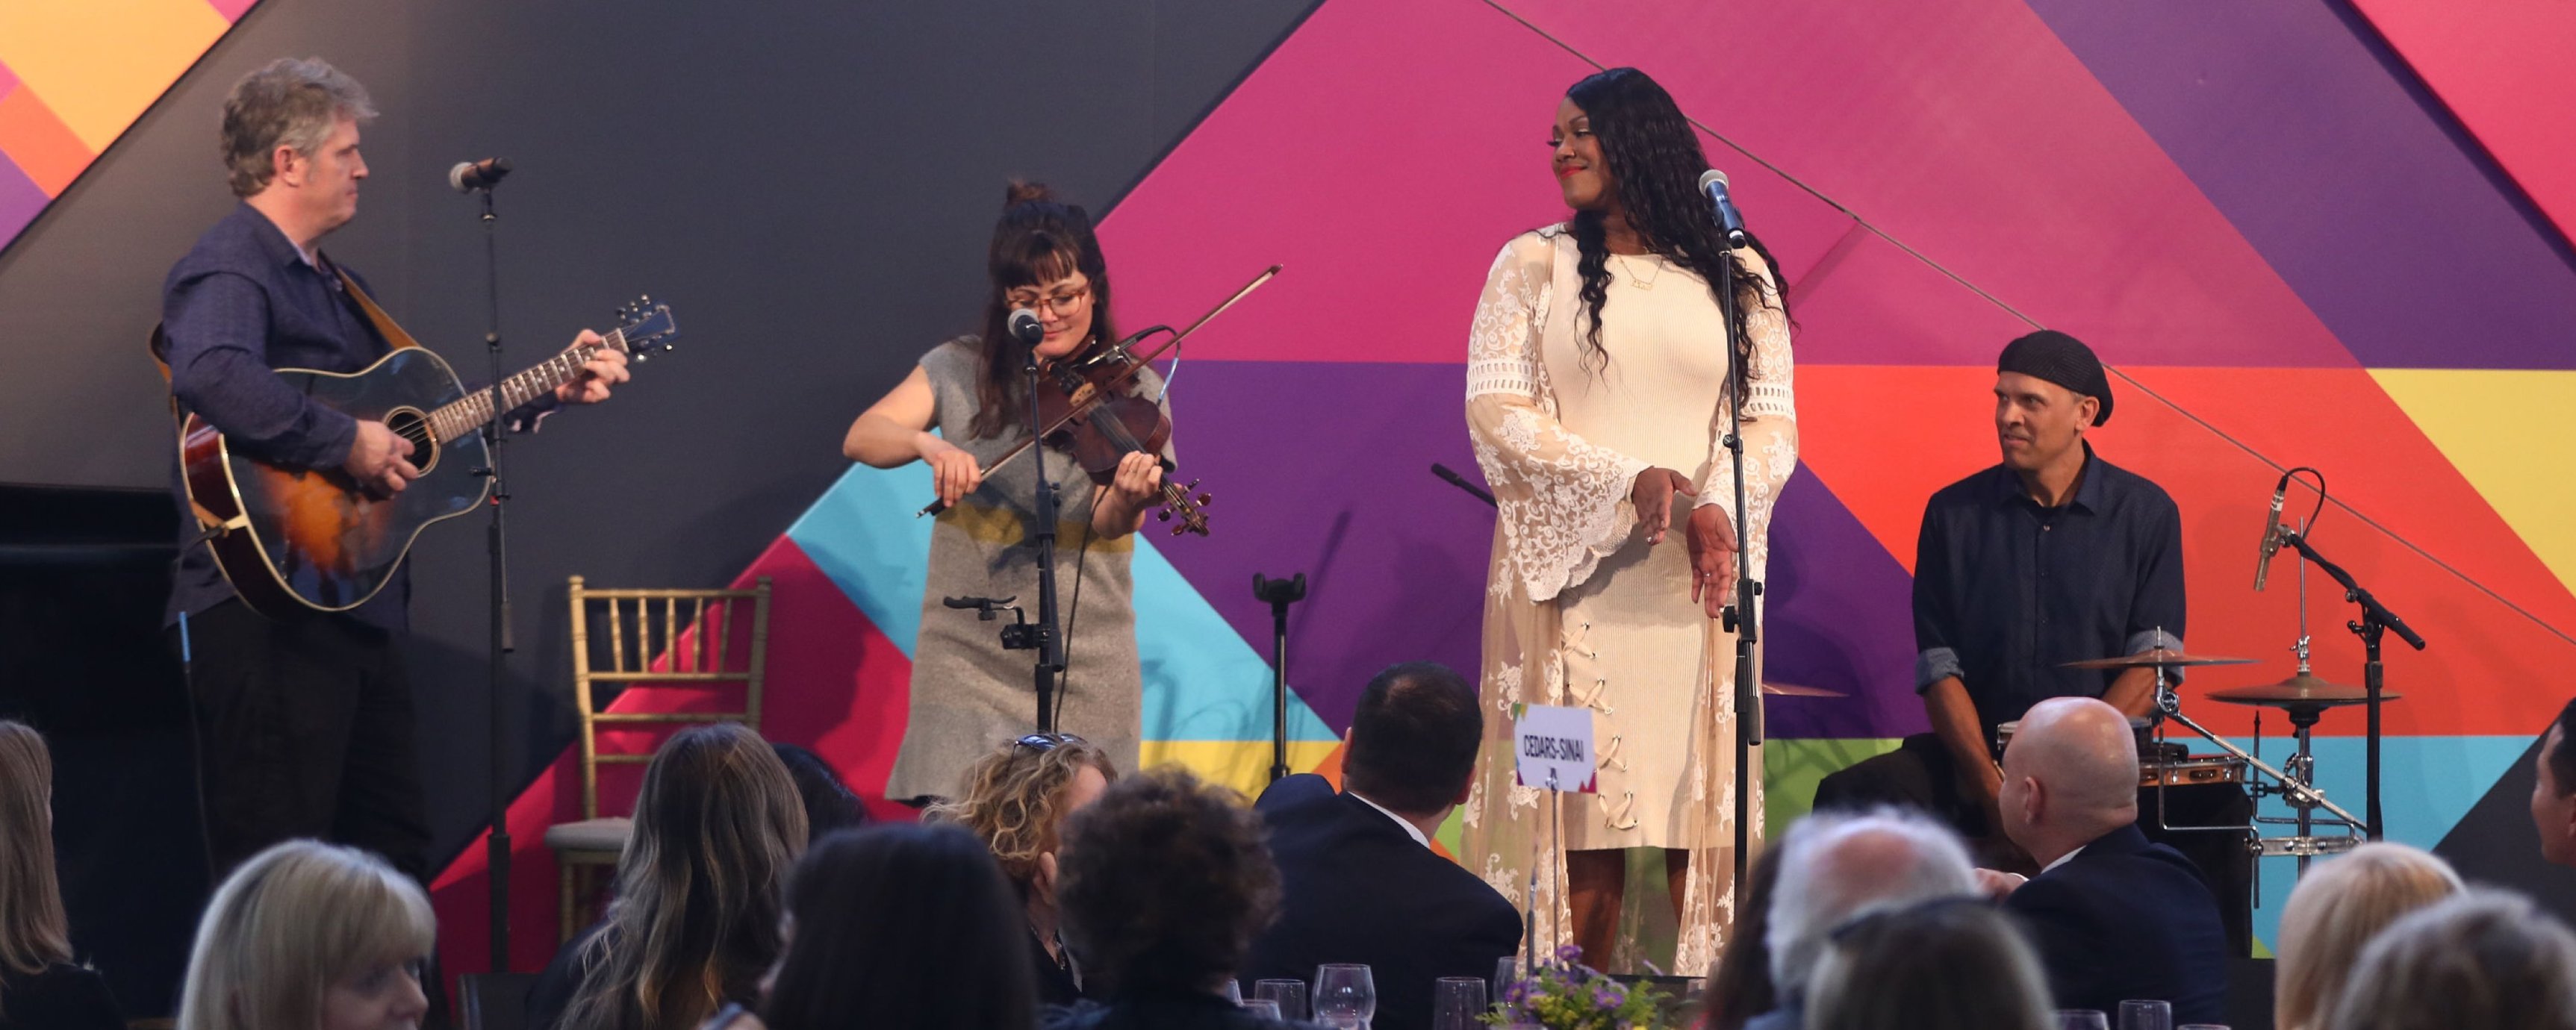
(295, 539)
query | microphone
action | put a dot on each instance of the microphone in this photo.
(1026, 328)
(2271, 535)
(469, 176)
(1713, 183)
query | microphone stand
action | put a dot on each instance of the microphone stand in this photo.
(496, 540)
(2375, 620)
(1042, 635)
(1279, 594)
(1741, 617)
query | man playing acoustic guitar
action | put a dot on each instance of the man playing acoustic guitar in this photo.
(305, 722)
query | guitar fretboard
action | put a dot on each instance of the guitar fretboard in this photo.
(473, 411)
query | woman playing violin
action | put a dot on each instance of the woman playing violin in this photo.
(961, 410)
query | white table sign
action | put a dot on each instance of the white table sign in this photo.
(1551, 740)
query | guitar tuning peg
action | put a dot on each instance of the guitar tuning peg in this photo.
(1206, 499)
(1163, 515)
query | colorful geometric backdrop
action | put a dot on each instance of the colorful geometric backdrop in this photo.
(73, 75)
(2305, 234)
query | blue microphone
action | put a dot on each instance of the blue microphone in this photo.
(1713, 183)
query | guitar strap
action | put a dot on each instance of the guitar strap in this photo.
(159, 346)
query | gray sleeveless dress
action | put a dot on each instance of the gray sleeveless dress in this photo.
(969, 695)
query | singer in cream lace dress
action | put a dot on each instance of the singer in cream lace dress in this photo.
(1581, 609)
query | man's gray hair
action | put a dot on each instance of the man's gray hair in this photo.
(1835, 867)
(292, 103)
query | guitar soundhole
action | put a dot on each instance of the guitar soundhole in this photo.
(411, 425)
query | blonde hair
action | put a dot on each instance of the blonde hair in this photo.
(1015, 800)
(32, 930)
(2485, 958)
(294, 920)
(700, 886)
(2336, 910)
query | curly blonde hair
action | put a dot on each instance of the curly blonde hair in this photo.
(1015, 799)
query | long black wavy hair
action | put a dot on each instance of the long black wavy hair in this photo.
(1655, 161)
(1039, 240)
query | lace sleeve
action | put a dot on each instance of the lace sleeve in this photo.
(1770, 428)
(1563, 501)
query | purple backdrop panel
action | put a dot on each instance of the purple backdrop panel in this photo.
(20, 199)
(1967, 130)
(2369, 203)
(1840, 615)
(1326, 470)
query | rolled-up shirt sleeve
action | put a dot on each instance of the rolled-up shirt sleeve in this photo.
(219, 370)
(2156, 614)
(1935, 624)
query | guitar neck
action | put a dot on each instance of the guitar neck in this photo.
(473, 411)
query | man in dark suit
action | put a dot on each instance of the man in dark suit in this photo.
(2113, 916)
(1358, 878)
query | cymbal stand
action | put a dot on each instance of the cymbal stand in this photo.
(2298, 792)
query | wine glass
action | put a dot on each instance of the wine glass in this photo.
(1262, 1007)
(1233, 991)
(1346, 997)
(2146, 1015)
(1457, 1002)
(1289, 995)
(2082, 1019)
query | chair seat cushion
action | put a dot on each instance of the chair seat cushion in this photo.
(607, 835)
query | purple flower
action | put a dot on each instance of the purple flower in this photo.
(1569, 953)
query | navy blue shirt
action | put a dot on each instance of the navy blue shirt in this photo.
(2005, 591)
(241, 303)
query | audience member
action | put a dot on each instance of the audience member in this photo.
(1165, 883)
(897, 926)
(1739, 983)
(39, 985)
(1835, 867)
(1952, 964)
(2553, 790)
(695, 921)
(308, 934)
(1359, 881)
(829, 803)
(2333, 914)
(2114, 917)
(1016, 800)
(2483, 958)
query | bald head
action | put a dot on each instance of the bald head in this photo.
(2070, 776)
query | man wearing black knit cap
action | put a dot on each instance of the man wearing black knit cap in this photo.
(2051, 556)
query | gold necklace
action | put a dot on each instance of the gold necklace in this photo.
(1649, 283)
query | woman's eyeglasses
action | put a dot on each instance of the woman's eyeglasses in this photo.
(1063, 302)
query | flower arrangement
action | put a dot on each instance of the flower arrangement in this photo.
(1564, 994)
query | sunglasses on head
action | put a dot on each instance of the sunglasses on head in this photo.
(1045, 742)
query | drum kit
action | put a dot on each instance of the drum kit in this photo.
(2304, 698)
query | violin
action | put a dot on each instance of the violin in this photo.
(1101, 423)
(1089, 410)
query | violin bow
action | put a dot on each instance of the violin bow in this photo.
(1122, 378)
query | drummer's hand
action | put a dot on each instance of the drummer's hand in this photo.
(1139, 475)
(952, 470)
(1995, 883)
(1653, 497)
(1711, 536)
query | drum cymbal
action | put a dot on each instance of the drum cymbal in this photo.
(2166, 657)
(1793, 690)
(2298, 692)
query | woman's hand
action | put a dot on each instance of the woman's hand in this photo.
(952, 470)
(1139, 479)
(1712, 553)
(1653, 496)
